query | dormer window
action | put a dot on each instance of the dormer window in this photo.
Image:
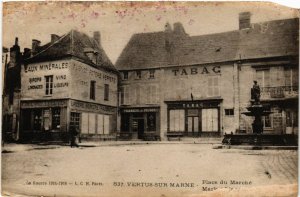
(138, 74)
(151, 74)
(92, 54)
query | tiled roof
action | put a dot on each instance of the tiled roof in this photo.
(73, 44)
(268, 39)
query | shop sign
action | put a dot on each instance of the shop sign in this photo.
(140, 110)
(37, 104)
(196, 71)
(91, 106)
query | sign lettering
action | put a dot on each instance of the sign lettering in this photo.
(194, 71)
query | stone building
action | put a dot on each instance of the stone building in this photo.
(199, 85)
(68, 83)
(11, 92)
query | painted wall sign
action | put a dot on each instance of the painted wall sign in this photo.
(196, 70)
(94, 73)
(91, 107)
(46, 67)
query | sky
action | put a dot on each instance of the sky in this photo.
(118, 21)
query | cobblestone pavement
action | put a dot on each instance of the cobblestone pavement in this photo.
(281, 166)
(198, 165)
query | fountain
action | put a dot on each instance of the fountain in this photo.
(257, 110)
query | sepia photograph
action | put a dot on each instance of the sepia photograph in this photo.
(166, 99)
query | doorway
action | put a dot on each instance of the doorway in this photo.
(138, 127)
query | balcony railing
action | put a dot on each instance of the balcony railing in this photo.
(279, 92)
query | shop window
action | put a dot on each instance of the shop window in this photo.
(229, 112)
(263, 77)
(210, 119)
(93, 90)
(56, 118)
(125, 75)
(151, 121)
(106, 92)
(75, 120)
(151, 74)
(291, 119)
(49, 85)
(213, 86)
(138, 74)
(176, 120)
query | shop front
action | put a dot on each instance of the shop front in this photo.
(140, 123)
(44, 120)
(94, 121)
(194, 118)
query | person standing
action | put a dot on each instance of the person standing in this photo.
(74, 134)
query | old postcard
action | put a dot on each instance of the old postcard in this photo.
(149, 99)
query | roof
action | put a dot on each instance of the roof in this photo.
(164, 49)
(73, 44)
(270, 39)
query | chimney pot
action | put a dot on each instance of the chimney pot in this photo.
(97, 37)
(244, 20)
(54, 38)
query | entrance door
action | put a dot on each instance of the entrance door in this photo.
(37, 120)
(140, 128)
(193, 124)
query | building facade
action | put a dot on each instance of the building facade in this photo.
(200, 85)
(66, 84)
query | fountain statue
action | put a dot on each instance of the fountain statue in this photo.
(256, 110)
(258, 138)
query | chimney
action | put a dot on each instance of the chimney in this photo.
(16, 41)
(35, 45)
(244, 20)
(178, 29)
(54, 38)
(97, 37)
(27, 53)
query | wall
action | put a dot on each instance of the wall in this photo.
(178, 83)
(143, 91)
(33, 80)
(81, 75)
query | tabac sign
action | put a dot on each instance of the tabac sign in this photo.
(196, 70)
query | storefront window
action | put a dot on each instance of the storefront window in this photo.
(151, 121)
(210, 120)
(75, 120)
(176, 122)
(55, 118)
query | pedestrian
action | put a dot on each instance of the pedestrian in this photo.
(74, 133)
